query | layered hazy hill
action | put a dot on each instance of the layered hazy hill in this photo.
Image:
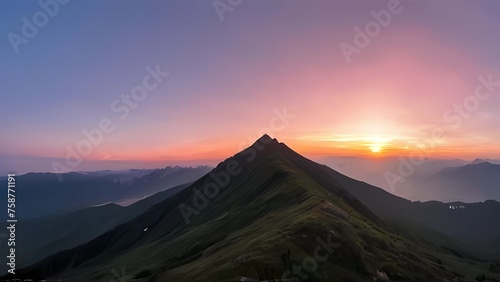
(474, 182)
(269, 213)
(477, 181)
(47, 194)
(434, 179)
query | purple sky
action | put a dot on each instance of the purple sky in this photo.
(227, 79)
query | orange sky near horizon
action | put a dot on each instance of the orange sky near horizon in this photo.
(362, 146)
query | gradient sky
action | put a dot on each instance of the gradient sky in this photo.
(226, 77)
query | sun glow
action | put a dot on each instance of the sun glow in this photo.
(376, 143)
(368, 144)
(376, 149)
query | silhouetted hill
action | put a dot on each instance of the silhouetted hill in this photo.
(472, 182)
(43, 194)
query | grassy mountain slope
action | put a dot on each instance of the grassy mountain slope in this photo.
(275, 213)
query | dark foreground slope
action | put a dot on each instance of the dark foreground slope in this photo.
(43, 236)
(268, 214)
(475, 224)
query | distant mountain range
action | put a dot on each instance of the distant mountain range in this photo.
(432, 180)
(477, 181)
(44, 194)
(268, 213)
(478, 161)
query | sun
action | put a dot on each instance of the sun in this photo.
(376, 148)
(377, 143)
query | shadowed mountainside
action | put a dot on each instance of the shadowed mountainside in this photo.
(72, 229)
(272, 209)
(44, 194)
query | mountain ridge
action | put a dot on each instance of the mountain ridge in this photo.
(276, 205)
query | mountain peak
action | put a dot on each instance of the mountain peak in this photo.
(266, 140)
(478, 161)
(485, 164)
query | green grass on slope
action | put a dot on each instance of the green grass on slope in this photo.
(285, 211)
(267, 222)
